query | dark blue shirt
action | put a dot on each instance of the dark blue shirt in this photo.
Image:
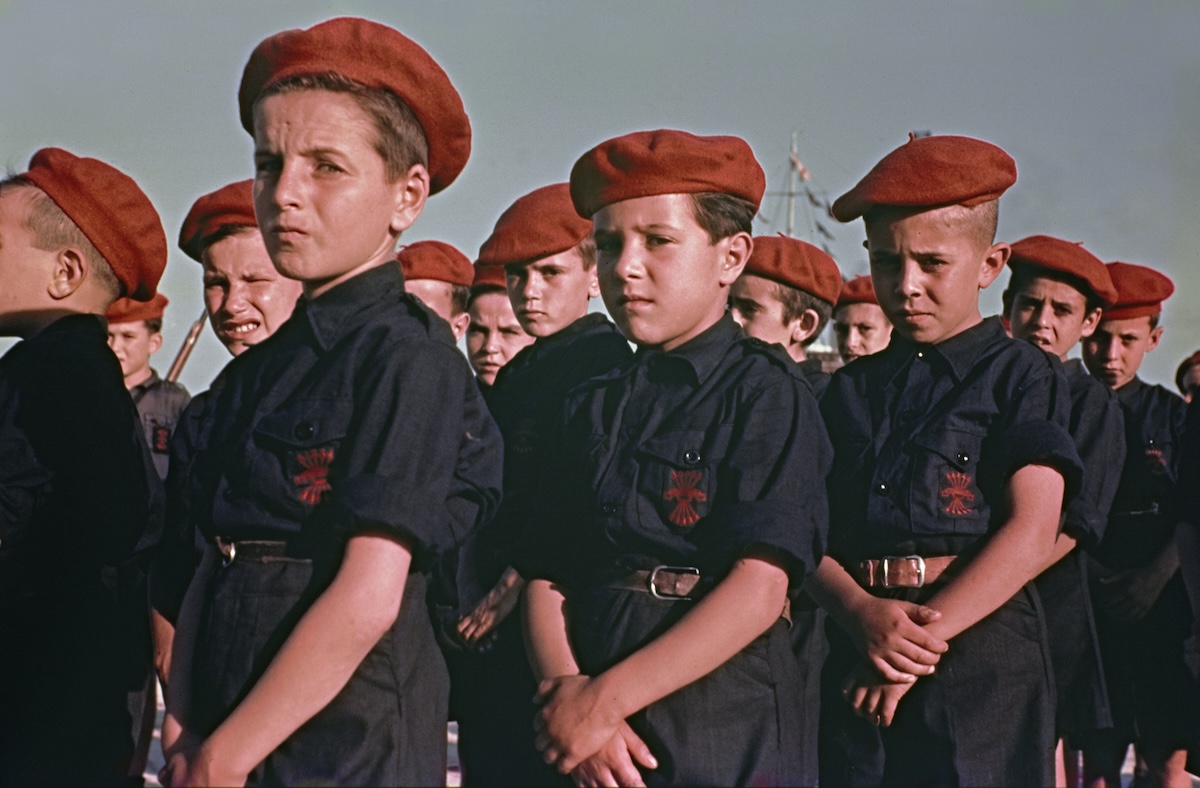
(1143, 511)
(1099, 432)
(359, 416)
(926, 436)
(814, 372)
(694, 457)
(159, 404)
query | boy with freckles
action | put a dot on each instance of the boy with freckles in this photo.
(952, 461)
(339, 455)
(684, 498)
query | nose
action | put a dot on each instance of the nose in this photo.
(1041, 316)
(235, 301)
(491, 343)
(629, 263)
(910, 279)
(1108, 349)
(286, 188)
(531, 287)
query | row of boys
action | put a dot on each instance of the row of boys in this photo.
(671, 520)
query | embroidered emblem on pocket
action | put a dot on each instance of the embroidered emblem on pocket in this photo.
(1156, 461)
(162, 440)
(958, 489)
(684, 490)
(313, 481)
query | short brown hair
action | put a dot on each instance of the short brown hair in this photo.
(401, 139)
(52, 230)
(587, 251)
(796, 302)
(722, 215)
(980, 221)
(154, 325)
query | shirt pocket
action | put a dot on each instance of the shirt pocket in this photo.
(298, 448)
(676, 480)
(944, 494)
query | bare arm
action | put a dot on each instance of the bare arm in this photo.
(1015, 554)
(183, 648)
(315, 662)
(581, 714)
(546, 638)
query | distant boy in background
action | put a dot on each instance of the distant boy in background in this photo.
(494, 335)
(859, 324)
(441, 277)
(1056, 293)
(1144, 616)
(785, 297)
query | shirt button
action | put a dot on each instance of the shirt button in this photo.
(920, 354)
(691, 458)
(303, 431)
(608, 509)
(963, 457)
(882, 488)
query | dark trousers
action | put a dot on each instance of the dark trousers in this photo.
(985, 717)
(387, 726)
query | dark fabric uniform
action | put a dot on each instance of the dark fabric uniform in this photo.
(816, 376)
(493, 691)
(159, 404)
(1154, 697)
(79, 503)
(696, 457)
(925, 439)
(1098, 430)
(355, 418)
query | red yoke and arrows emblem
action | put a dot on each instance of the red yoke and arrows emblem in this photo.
(313, 481)
(958, 490)
(684, 490)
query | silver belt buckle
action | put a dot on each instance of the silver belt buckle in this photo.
(886, 564)
(228, 551)
(679, 570)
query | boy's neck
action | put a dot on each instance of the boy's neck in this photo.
(136, 379)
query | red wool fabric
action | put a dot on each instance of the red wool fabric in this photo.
(229, 205)
(541, 224)
(1054, 254)
(797, 264)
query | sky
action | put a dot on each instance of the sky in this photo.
(1098, 102)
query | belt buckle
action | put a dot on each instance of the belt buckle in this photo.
(228, 551)
(679, 570)
(885, 563)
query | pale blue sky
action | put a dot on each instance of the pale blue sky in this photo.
(1099, 102)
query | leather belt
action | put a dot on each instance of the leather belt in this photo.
(674, 583)
(256, 550)
(901, 571)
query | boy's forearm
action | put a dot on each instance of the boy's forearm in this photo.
(1012, 556)
(546, 639)
(183, 647)
(740, 608)
(832, 587)
(320, 655)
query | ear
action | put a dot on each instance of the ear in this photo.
(804, 326)
(156, 341)
(70, 271)
(593, 281)
(458, 325)
(410, 191)
(1090, 321)
(1155, 336)
(993, 263)
(734, 256)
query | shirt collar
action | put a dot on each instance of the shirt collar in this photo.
(1073, 368)
(1127, 392)
(149, 382)
(702, 353)
(345, 308)
(544, 345)
(960, 352)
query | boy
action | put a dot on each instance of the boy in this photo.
(440, 276)
(685, 497)
(338, 455)
(549, 262)
(1143, 613)
(860, 325)
(81, 499)
(951, 457)
(246, 298)
(135, 334)
(494, 335)
(785, 297)
(1056, 292)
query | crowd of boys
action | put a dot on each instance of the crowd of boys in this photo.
(702, 560)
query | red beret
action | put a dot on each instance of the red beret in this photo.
(858, 290)
(377, 56)
(796, 264)
(436, 260)
(928, 172)
(1055, 254)
(648, 163)
(488, 276)
(126, 310)
(540, 224)
(1140, 291)
(110, 209)
(229, 205)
